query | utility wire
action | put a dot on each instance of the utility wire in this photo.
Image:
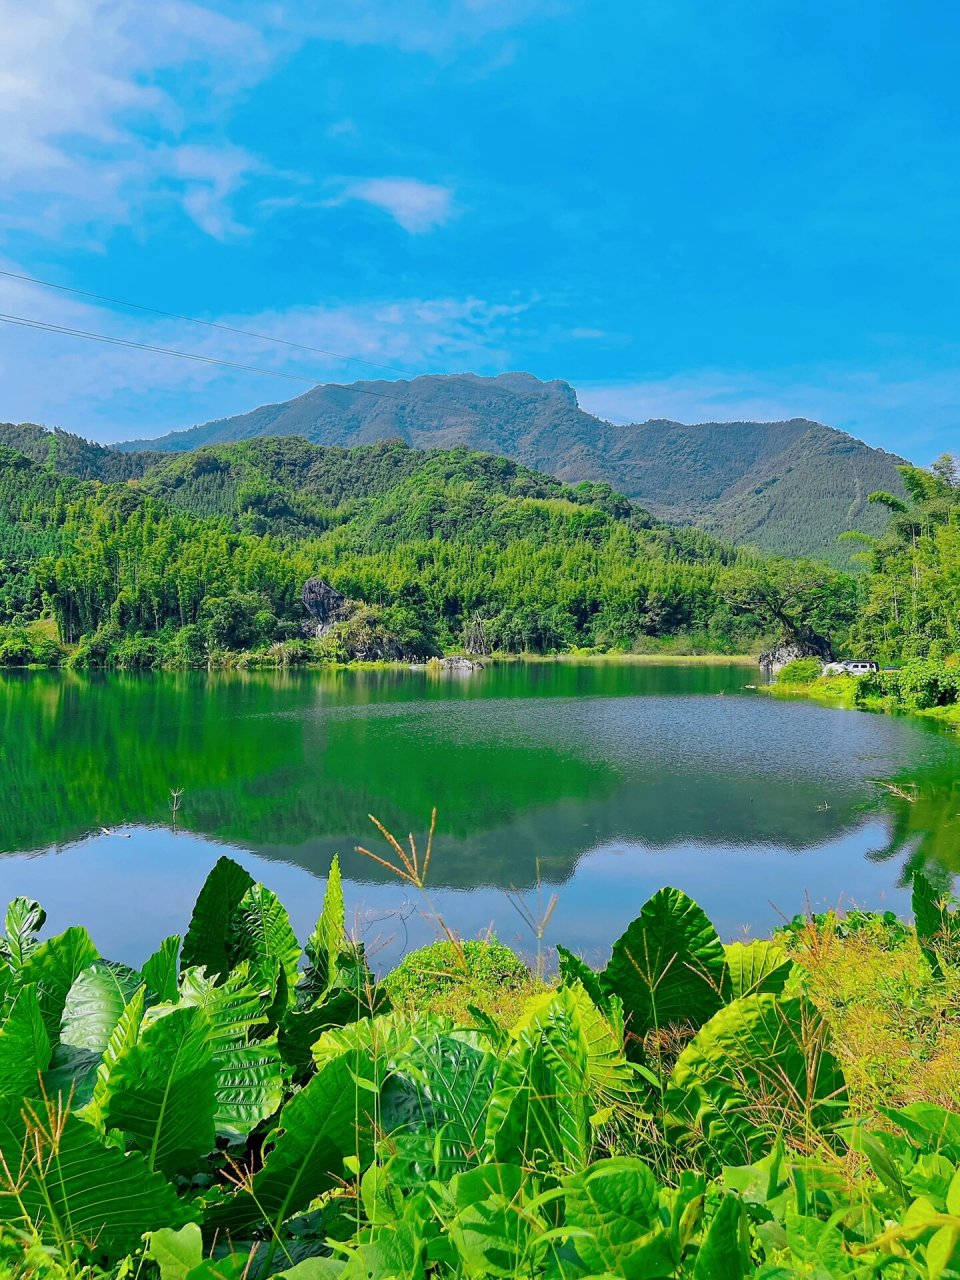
(209, 324)
(43, 326)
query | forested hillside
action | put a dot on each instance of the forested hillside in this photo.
(786, 487)
(209, 552)
(912, 593)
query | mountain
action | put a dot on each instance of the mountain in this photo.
(72, 455)
(787, 487)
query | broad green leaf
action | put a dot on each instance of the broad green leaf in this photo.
(610, 1076)
(71, 1076)
(206, 943)
(933, 1128)
(260, 932)
(25, 918)
(539, 1111)
(932, 919)
(753, 967)
(176, 1253)
(122, 1040)
(160, 970)
(759, 1067)
(572, 969)
(24, 1047)
(160, 1091)
(495, 1236)
(249, 1086)
(724, 1254)
(668, 966)
(613, 1207)
(313, 1269)
(446, 1085)
(54, 966)
(328, 939)
(328, 1121)
(72, 1185)
(94, 1004)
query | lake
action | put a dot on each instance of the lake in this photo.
(601, 781)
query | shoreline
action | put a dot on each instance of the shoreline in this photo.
(244, 661)
(841, 692)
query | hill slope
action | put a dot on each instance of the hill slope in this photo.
(209, 551)
(789, 487)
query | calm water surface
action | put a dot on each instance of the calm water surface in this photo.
(608, 780)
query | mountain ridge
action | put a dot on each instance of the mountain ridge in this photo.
(789, 487)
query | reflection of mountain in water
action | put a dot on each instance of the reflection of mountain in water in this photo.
(526, 764)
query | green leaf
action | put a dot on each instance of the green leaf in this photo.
(931, 918)
(330, 1119)
(94, 1004)
(160, 970)
(759, 1067)
(753, 967)
(668, 967)
(613, 1205)
(24, 1047)
(176, 1253)
(539, 1111)
(260, 932)
(328, 939)
(25, 919)
(495, 1225)
(160, 1091)
(931, 1127)
(71, 1076)
(73, 1189)
(123, 1038)
(445, 1085)
(54, 966)
(206, 943)
(249, 1085)
(572, 969)
(724, 1254)
(313, 1269)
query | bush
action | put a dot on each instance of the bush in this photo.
(801, 671)
(485, 968)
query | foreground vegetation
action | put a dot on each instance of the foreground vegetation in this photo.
(767, 1109)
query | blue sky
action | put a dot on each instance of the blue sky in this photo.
(689, 210)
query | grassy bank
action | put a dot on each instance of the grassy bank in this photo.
(694, 1111)
(922, 688)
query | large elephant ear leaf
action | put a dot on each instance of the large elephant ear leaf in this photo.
(261, 933)
(572, 970)
(54, 966)
(94, 1004)
(24, 1047)
(753, 967)
(329, 1120)
(328, 939)
(160, 970)
(539, 1110)
(65, 1175)
(249, 1084)
(206, 943)
(759, 1069)
(668, 966)
(159, 1091)
(613, 1209)
(25, 918)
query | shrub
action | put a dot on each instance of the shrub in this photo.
(801, 671)
(427, 975)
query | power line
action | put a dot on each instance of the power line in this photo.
(26, 322)
(208, 324)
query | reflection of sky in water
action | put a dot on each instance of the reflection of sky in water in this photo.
(131, 893)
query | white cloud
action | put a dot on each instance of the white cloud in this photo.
(416, 206)
(87, 129)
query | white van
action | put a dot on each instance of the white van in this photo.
(860, 668)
